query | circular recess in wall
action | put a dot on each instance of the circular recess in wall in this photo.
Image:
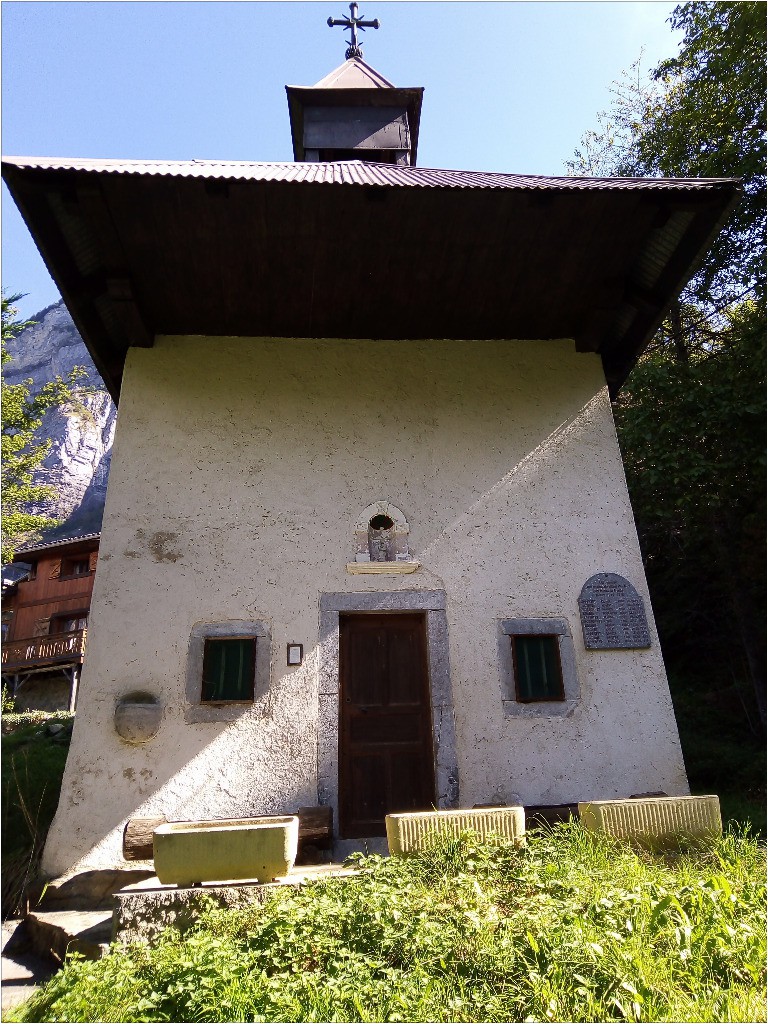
(137, 716)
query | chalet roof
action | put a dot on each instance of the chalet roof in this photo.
(63, 545)
(12, 576)
(362, 250)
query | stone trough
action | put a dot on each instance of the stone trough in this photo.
(659, 822)
(409, 833)
(191, 852)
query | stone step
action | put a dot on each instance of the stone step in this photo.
(86, 890)
(56, 933)
(144, 909)
(22, 969)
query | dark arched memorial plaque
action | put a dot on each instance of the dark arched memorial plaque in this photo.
(612, 614)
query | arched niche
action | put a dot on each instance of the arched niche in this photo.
(381, 540)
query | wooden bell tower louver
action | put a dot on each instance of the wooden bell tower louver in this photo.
(354, 113)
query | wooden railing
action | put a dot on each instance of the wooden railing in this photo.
(41, 649)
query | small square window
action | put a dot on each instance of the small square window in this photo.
(538, 674)
(537, 664)
(229, 669)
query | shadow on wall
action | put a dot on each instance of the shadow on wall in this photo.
(219, 781)
(277, 739)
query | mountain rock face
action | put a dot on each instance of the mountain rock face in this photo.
(77, 464)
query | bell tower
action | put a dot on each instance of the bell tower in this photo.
(354, 113)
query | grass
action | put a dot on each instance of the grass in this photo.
(574, 927)
(32, 768)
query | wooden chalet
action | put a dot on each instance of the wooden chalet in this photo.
(45, 622)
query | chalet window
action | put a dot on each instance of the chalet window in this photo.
(72, 567)
(228, 666)
(538, 667)
(229, 669)
(69, 623)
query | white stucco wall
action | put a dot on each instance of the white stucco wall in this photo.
(239, 470)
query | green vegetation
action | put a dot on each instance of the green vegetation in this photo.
(700, 114)
(720, 756)
(691, 417)
(33, 757)
(692, 437)
(572, 928)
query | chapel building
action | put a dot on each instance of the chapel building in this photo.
(367, 541)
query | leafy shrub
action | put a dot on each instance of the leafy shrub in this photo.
(573, 927)
(8, 701)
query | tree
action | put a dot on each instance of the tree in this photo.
(710, 121)
(692, 437)
(700, 114)
(690, 417)
(22, 451)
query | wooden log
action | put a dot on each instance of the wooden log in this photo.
(137, 838)
(315, 825)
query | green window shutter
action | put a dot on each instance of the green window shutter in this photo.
(538, 675)
(229, 669)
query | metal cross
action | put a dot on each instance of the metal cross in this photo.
(353, 22)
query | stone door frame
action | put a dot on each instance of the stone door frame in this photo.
(432, 604)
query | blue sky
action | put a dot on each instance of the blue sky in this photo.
(509, 86)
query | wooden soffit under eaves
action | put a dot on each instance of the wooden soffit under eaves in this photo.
(362, 251)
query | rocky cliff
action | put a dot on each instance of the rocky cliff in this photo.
(77, 464)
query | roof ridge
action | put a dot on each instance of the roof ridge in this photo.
(355, 172)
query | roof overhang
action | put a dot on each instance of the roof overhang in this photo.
(360, 250)
(65, 546)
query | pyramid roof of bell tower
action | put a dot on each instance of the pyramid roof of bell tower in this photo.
(354, 73)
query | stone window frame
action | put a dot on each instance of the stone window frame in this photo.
(433, 604)
(199, 711)
(540, 626)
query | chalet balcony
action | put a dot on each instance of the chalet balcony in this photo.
(41, 651)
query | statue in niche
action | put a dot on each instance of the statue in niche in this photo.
(381, 540)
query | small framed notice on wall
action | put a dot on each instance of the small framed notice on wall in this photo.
(295, 654)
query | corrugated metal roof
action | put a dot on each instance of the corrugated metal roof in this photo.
(356, 172)
(29, 549)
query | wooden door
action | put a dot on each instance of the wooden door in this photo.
(385, 732)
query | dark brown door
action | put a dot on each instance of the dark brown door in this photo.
(385, 735)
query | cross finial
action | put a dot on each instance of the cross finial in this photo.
(354, 49)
